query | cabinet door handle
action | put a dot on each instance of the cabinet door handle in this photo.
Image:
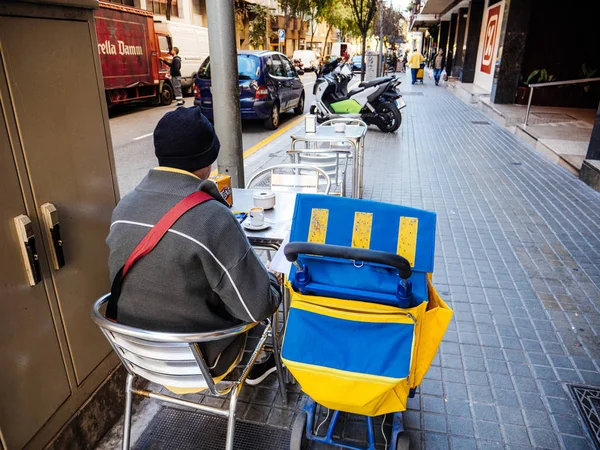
(31, 259)
(52, 227)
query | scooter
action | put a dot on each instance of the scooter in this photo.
(377, 102)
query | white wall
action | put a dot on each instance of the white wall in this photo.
(482, 79)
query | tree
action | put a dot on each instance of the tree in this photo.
(339, 15)
(363, 11)
(392, 28)
(318, 10)
(253, 19)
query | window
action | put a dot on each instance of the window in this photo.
(288, 69)
(248, 68)
(163, 43)
(159, 7)
(275, 68)
(123, 2)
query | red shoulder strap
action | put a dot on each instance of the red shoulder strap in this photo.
(150, 241)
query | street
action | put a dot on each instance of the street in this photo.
(132, 126)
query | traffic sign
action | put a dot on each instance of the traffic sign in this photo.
(281, 34)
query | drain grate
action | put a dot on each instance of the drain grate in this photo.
(415, 94)
(174, 429)
(588, 402)
(479, 122)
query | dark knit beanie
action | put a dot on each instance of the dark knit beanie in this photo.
(185, 139)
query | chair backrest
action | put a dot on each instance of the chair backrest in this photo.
(295, 178)
(169, 359)
(347, 121)
(328, 162)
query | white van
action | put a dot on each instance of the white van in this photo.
(310, 59)
(192, 42)
(339, 48)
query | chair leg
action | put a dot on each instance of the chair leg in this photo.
(128, 402)
(231, 420)
(281, 376)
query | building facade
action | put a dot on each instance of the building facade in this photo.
(502, 46)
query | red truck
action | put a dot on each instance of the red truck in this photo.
(129, 51)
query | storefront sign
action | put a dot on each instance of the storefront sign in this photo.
(489, 43)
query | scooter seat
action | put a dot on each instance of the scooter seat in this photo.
(355, 91)
(376, 81)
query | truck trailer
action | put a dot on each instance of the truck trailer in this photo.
(130, 56)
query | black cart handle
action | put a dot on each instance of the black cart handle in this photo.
(293, 249)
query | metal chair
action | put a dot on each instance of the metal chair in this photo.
(296, 180)
(175, 360)
(347, 121)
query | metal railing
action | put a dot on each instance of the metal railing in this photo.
(553, 83)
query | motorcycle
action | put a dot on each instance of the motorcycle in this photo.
(299, 66)
(376, 102)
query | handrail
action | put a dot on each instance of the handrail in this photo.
(553, 83)
(558, 83)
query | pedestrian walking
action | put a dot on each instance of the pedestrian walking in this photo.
(414, 63)
(175, 70)
(404, 61)
(438, 65)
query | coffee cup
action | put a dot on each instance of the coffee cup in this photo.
(257, 216)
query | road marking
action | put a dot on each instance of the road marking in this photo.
(143, 136)
(270, 138)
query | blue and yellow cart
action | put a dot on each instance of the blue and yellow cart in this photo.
(365, 320)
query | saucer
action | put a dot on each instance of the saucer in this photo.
(248, 225)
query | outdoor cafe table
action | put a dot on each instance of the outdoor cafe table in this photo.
(280, 216)
(353, 135)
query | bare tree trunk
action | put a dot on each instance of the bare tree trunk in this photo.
(325, 43)
(364, 50)
(312, 35)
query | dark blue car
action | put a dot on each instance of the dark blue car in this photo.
(269, 86)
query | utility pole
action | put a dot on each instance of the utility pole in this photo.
(380, 62)
(225, 89)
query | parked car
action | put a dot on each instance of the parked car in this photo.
(356, 62)
(269, 86)
(310, 59)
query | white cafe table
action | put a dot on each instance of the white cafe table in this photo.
(280, 216)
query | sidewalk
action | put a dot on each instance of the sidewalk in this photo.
(518, 259)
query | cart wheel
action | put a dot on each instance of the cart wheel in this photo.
(403, 442)
(298, 439)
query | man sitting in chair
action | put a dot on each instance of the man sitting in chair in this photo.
(203, 275)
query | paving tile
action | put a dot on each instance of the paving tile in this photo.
(456, 407)
(484, 412)
(560, 406)
(433, 404)
(460, 426)
(436, 441)
(434, 422)
(510, 415)
(543, 439)
(575, 443)
(488, 431)
(481, 394)
(463, 443)
(515, 435)
(537, 419)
